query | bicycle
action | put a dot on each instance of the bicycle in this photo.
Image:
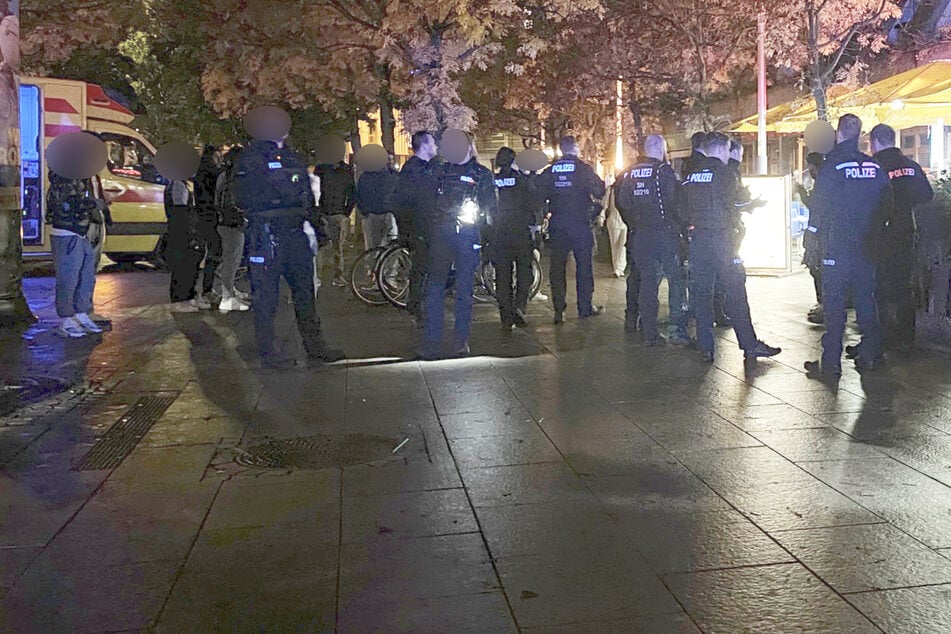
(395, 264)
(364, 274)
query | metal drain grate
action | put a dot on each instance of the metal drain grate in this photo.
(117, 443)
(324, 450)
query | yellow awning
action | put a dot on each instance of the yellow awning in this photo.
(919, 96)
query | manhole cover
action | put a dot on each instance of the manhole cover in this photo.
(324, 450)
(17, 392)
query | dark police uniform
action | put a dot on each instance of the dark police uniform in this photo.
(896, 297)
(414, 203)
(712, 192)
(572, 189)
(649, 198)
(465, 195)
(854, 200)
(512, 242)
(272, 186)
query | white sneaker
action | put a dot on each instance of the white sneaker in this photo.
(202, 303)
(244, 297)
(228, 305)
(71, 328)
(540, 297)
(86, 322)
(184, 307)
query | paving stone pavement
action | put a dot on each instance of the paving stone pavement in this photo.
(563, 479)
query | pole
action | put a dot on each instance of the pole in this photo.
(937, 148)
(762, 163)
(618, 129)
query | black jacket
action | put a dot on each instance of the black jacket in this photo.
(414, 197)
(374, 191)
(268, 178)
(910, 187)
(337, 189)
(573, 191)
(71, 204)
(712, 195)
(854, 199)
(516, 210)
(205, 180)
(649, 197)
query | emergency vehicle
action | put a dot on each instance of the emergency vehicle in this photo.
(130, 184)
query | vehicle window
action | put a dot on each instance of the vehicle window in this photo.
(129, 158)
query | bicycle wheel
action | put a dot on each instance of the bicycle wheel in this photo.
(363, 277)
(393, 274)
(484, 288)
(536, 279)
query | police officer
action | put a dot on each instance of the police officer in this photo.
(511, 242)
(272, 186)
(649, 198)
(574, 193)
(910, 187)
(465, 196)
(414, 203)
(854, 200)
(713, 196)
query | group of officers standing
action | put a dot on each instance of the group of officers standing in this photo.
(447, 209)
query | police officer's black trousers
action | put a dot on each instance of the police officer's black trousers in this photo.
(633, 293)
(505, 256)
(418, 276)
(579, 241)
(208, 233)
(286, 254)
(896, 297)
(712, 261)
(839, 276)
(657, 253)
(450, 250)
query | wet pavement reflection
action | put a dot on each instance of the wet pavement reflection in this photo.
(563, 479)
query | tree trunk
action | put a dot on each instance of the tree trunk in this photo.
(819, 94)
(387, 125)
(13, 308)
(355, 142)
(635, 109)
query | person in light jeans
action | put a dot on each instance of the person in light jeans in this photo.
(231, 228)
(71, 208)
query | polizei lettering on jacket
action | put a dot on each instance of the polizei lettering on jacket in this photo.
(563, 168)
(504, 182)
(901, 172)
(854, 170)
(641, 172)
(700, 177)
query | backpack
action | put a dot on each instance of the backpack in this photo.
(229, 214)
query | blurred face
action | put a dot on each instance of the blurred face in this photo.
(428, 148)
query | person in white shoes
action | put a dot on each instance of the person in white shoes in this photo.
(71, 207)
(231, 227)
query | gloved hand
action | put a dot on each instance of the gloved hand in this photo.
(311, 236)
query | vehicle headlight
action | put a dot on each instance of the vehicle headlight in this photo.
(469, 213)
